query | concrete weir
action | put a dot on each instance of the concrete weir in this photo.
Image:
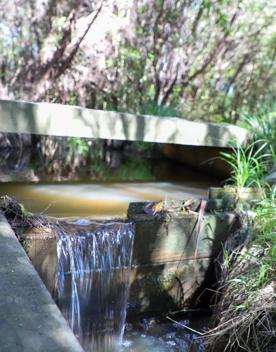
(172, 255)
(29, 319)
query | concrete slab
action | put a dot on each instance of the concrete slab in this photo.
(64, 120)
(29, 319)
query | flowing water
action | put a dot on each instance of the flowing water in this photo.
(101, 200)
(94, 260)
(149, 335)
(92, 282)
(94, 263)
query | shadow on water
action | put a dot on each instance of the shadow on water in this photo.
(97, 187)
(59, 159)
(102, 186)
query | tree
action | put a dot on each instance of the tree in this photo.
(204, 58)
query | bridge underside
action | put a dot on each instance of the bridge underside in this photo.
(64, 120)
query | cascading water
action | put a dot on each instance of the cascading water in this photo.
(93, 280)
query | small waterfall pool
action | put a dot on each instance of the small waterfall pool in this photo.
(163, 336)
(92, 284)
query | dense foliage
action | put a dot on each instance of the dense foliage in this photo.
(194, 58)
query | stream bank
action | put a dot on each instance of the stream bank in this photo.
(244, 317)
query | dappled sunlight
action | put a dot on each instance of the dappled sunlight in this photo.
(137, 171)
(61, 120)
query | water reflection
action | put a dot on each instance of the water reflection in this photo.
(15, 165)
(59, 160)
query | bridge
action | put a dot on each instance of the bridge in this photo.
(74, 121)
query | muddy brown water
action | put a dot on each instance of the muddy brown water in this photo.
(132, 174)
(107, 200)
(96, 199)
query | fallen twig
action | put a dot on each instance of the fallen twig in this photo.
(185, 326)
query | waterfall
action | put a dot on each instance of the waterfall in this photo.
(93, 279)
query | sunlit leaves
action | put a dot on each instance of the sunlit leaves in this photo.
(207, 58)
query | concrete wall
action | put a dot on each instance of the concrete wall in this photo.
(29, 319)
(62, 120)
(172, 257)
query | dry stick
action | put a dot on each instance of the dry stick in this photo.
(199, 221)
(185, 326)
(47, 208)
(233, 322)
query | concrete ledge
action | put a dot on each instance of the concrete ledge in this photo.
(64, 120)
(29, 319)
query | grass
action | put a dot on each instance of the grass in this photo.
(266, 226)
(245, 316)
(249, 165)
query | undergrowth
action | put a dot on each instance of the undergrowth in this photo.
(262, 125)
(19, 218)
(245, 311)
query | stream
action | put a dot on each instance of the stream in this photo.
(93, 275)
(93, 267)
(92, 285)
(101, 200)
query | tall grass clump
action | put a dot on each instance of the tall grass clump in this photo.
(266, 226)
(249, 165)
